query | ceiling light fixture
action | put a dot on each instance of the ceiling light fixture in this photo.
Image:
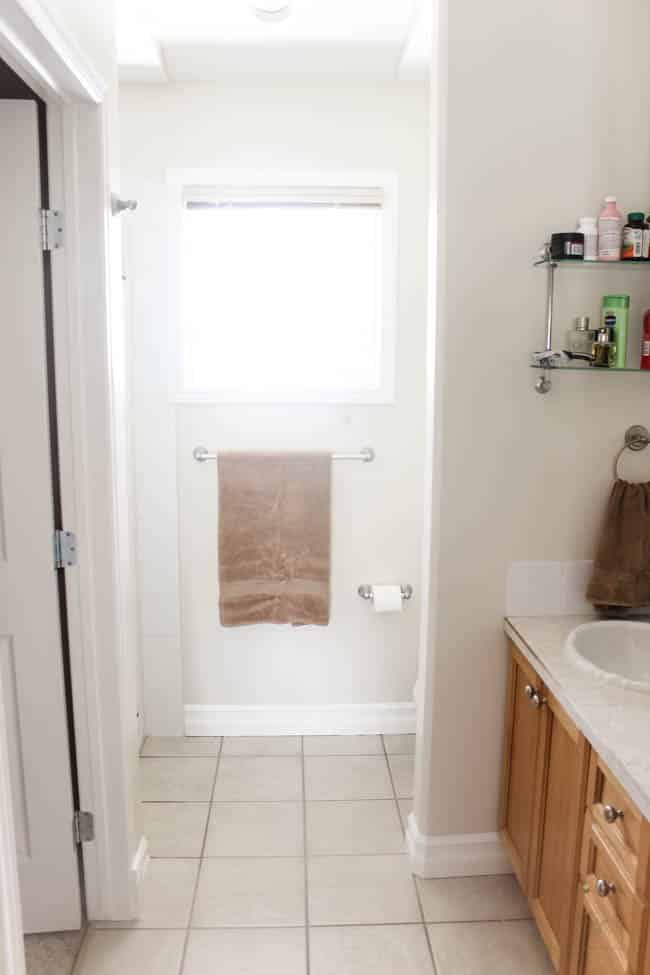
(271, 9)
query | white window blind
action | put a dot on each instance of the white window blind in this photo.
(285, 294)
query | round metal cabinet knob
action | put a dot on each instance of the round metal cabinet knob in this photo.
(604, 889)
(611, 814)
(529, 691)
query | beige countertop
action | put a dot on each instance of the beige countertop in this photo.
(615, 720)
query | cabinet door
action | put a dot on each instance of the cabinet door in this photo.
(520, 763)
(594, 952)
(559, 810)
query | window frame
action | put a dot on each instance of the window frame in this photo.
(184, 182)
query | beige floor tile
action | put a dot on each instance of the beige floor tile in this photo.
(267, 951)
(401, 769)
(364, 826)
(386, 950)
(273, 745)
(361, 890)
(249, 893)
(255, 829)
(400, 744)
(175, 829)
(472, 899)
(167, 894)
(347, 777)
(258, 779)
(174, 747)
(52, 954)
(343, 745)
(176, 779)
(506, 947)
(131, 953)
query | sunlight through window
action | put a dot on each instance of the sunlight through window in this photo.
(283, 293)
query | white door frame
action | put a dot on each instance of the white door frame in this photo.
(94, 470)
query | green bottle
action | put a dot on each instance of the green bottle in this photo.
(615, 313)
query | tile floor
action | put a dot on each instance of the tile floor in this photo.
(285, 856)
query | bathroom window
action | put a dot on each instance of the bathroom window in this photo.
(287, 293)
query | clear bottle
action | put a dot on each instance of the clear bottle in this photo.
(581, 337)
(588, 227)
(610, 231)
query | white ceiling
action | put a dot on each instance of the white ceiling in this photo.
(206, 40)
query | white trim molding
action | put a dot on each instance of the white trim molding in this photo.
(12, 954)
(461, 855)
(345, 719)
(139, 867)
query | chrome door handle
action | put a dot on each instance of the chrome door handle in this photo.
(534, 696)
(611, 814)
(604, 889)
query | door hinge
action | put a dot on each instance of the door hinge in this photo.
(51, 230)
(65, 549)
(83, 826)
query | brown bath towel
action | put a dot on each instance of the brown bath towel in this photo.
(274, 538)
(621, 575)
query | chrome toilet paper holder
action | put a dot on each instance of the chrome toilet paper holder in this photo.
(366, 592)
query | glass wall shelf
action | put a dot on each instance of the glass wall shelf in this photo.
(598, 265)
(587, 368)
(543, 383)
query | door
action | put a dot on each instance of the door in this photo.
(559, 811)
(31, 657)
(520, 763)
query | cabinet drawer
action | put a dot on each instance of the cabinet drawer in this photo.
(622, 826)
(610, 899)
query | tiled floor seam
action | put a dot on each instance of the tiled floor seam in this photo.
(181, 967)
(305, 857)
(415, 886)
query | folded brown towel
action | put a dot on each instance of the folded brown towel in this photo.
(621, 575)
(274, 538)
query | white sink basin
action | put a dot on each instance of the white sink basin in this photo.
(616, 649)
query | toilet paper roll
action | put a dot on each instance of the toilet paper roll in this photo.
(387, 599)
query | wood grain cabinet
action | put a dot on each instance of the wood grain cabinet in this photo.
(578, 845)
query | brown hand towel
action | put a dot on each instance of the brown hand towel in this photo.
(621, 575)
(274, 538)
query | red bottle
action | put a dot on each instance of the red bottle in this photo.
(645, 344)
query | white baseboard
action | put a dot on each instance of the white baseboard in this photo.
(348, 719)
(138, 871)
(462, 855)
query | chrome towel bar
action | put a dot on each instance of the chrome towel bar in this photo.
(366, 454)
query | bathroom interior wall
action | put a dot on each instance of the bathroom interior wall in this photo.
(361, 659)
(542, 121)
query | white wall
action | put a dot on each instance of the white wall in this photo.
(537, 124)
(360, 658)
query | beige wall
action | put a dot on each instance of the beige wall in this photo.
(547, 110)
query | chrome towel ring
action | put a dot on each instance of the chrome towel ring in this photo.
(636, 438)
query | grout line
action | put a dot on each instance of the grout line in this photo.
(201, 862)
(415, 885)
(305, 857)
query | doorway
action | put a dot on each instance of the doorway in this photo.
(34, 652)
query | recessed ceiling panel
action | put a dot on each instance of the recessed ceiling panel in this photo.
(203, 40)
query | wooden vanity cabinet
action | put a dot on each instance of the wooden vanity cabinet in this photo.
(544, 781)
(579, 846)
